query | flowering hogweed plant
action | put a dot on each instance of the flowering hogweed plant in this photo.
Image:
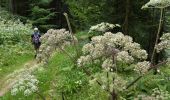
(52, 40)
(157, 4)
(28, 84)
(111, 48)
(113, 52)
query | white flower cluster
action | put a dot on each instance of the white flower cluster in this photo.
(157, 4)
(84, 60)
(142, 67)
(160, 94)
(52, 40)
(119, 83)
(103, 27)
(111, 45)
(124, 56)
(78, 82)
(14, 30)
(28, 84)
(157, 94)
(108, 64)
(165, 42)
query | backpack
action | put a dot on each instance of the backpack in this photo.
(36, 38)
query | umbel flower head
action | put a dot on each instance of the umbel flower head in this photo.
(52, 40)
(28, 84)
(103, 27)
(110, 48)
(165, 42)
(157, 4)
(142, 67)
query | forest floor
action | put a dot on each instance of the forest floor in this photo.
(8, 81)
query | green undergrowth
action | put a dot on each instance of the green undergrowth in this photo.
(60, 78)
(15, 64)
(13, 58)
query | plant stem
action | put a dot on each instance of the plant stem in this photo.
(152, 67)
(89, 74)
(126, 22)
(41, 96)
(72, 35)
(113, 95)
(62, 95)
(65, 52)
(108, 83)
(157, 37)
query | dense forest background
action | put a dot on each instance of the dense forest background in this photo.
(140, 24)
(89, 50)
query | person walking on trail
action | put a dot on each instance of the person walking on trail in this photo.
(35, 38)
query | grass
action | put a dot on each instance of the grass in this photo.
(15, 64)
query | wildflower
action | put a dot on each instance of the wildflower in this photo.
(27, 92)
(51, 40)
(119, 83)
(165, 42)
(83, 60)
(108, 64)
(28, 84)
(88, 48)
(112, 45)
(98, 51)
(123, 56)
(157, 4)
(142, 67)
(103, 86)
(140, 54)
(14, 91)
(21, 88)
(103, 27)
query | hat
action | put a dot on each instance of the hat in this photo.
(35, 29)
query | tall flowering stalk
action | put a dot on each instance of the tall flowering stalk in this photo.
(160, 4)
(157, 94)
(158, 34)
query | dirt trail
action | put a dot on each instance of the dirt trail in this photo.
(7, 82)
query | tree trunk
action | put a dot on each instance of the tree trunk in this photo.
(10, 6)
(126, 22)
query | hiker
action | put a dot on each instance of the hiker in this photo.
(35, 38)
